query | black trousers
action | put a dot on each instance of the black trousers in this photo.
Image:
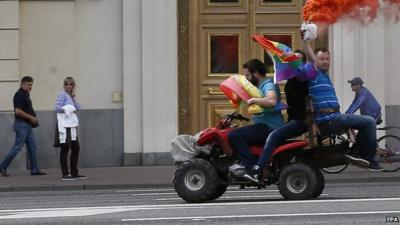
(73, 160)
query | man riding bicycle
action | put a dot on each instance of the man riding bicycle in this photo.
(364, 101)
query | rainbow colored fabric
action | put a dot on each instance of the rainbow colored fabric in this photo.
(285, 61)
(238, 88)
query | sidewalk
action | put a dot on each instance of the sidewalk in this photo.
(146, 176)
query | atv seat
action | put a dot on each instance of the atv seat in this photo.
(290, 145)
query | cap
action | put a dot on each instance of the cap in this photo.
(356, 80)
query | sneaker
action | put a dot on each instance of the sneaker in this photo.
(4, 173)
(80, 177)
(374, 166)
(38, 173)
(237, 170)
(253, 175)
(68, 177)
(356, 160)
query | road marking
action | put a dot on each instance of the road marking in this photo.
(145, 190)
(59, 213)
(252, 191)
(229, 197)
(72, 212)
(174, 193)
(173, 190)
(90, 211)
(235, 197)
(149, 194)
(212, 204)
(260, 216)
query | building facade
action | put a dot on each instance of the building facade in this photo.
(147, 70)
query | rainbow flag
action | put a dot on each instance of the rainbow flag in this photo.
(285, 61)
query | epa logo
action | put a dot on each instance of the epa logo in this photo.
(392, 219)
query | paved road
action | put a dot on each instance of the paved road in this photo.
(350, 203)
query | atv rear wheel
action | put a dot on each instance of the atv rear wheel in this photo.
(320, 184)
(196, 180)
(299, 181)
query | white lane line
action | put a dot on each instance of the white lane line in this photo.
(74, 212)
(252, 191)
(261, 216)
(235, 197)
(59, 213)
(144, 190)
(150, 194)
(230, 197)
(188, 205)
(174, 193)
(91, 211)
(231, 190)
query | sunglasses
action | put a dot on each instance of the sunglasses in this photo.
(69, 84)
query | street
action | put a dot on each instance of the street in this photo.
(340, 203)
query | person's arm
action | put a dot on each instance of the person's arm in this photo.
(60, 103)
(356, 104)
(77, 105)
(307, 71)
(19, 112)
(269, 100)
(309, 52)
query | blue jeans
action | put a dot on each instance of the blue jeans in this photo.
(241, 138)
(291, 129)
(23, 134)
(366, 136)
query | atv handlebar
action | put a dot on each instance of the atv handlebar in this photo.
(226, 122)
(236, 116)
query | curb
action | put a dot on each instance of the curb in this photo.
(80, 187)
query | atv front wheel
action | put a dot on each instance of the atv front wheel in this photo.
(219, 192)
(299, 181)
(197, 180)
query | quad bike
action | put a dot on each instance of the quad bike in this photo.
(294, 167)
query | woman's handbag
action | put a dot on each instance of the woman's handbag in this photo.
(56, 143)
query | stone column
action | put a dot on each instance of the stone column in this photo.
(132, 82)
(9, 76)
(150, 81)
(9, 52)
(392, 77)
(358, 50)
(159, 77)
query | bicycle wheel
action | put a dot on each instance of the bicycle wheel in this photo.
(388, 153)
(336, 140)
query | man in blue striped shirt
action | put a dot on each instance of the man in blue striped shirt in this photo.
(364, 101)
(327, 108)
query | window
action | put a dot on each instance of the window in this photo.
(224, 54)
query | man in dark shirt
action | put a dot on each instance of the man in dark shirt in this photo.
(25, 119)
(296, 92)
